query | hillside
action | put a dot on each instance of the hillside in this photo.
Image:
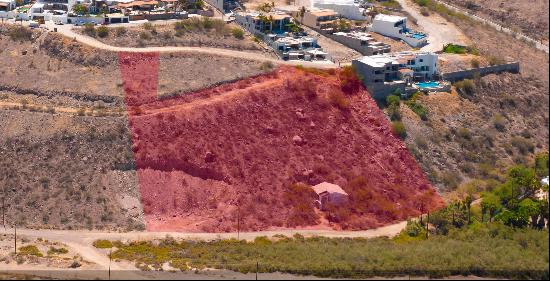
(477, 135)
(242, 154)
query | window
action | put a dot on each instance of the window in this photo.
(421, 60)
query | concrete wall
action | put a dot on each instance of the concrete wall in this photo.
(349, 42)
(166, 16)
(471, 73)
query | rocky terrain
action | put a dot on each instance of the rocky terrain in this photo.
(477, 135)
(528, 17)
(243, 155)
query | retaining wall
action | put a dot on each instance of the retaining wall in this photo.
(471, 73)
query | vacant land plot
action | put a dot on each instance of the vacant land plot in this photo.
(243, 154)
(528, 17)
(192, 32)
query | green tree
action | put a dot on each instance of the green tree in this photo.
(80, 9)
(490, 204)
(541, 165)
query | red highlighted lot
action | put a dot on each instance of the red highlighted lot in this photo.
(242, 155)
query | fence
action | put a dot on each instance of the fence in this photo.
(471, 73)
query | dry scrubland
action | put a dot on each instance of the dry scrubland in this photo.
(529, 17)
(66, 152)
(480, 133)
(194, 32)
(492, 123)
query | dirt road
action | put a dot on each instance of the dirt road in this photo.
(67, 31)
(80, 241)
(440, 31)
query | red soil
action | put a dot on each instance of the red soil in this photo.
(230, 156)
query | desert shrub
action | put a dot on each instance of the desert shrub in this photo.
(398, 128)
(20, 33)
(167, 34)
(493, 60)
(475, 63)
(523, 145)
(418, 108)
(120, 31)
(89, 29)
(103, 244)
(144, 35)
(393, 104)
(451, 180)
(541, 165)
(464, 133)
(237, 33)
(301, 197)
(350, 82)
(57, 251)
(338, 100)
(424, 11)
(499, 122)
(102, 31)
(267, 66)
(455, 49)
(148, 26)
(466, 86)
(30, 250)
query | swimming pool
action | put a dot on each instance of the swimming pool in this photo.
(426, 85)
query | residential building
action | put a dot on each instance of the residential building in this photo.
(296, 47)
(362, 42)
(260, 23)
(7, 5)
(396, 27)
(329, 193)
(320, 19)
(350, 9)
(387, 73)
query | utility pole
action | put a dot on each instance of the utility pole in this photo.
(257, 266)
(427, 223)
(238, 221)
(110, 254)
(15, 240)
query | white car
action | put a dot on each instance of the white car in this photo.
(33, 24)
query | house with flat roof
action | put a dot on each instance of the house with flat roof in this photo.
(362, 42)
(384, 74)
(320, 19)
(329, 193)
(7, 5)
(350, 9)
(264, 23)
(396, 27)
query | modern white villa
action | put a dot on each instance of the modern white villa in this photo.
(384, 74)
(350, 9)
(396, 27)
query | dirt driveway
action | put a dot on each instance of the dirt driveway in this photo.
(440, 31)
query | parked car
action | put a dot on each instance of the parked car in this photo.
(34, 24)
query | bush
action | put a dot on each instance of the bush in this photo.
(148, 26)
(398, 128)
(338, 99)
(20, 33)
(523, 145)
(496, 60)
(466, 86)
(144, 35)
(499, 122)
(89, 29)
(474, 63)
(57, 251)
(103, 244)
(102, 31)
(237, 33)
(424, 11)
(120, 31)
(30, 250)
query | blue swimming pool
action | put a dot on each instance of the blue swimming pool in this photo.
(418, 35)
(426, 85)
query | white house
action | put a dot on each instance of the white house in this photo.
(350, 9)
(383, 74)
(329, 194)
(396, 27)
